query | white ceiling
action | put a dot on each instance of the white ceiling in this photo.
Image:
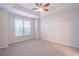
(26, 8)
(18, 9)
(28, 5)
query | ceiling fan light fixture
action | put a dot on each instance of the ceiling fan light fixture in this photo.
(40, 9)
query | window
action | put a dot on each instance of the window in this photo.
(22, 27)
(19, 27)
(27, 28)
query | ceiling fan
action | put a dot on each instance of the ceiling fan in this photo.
(41, 6)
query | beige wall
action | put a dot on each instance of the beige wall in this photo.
(62, 25)
(3, 28)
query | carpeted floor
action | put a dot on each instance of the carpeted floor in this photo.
(38, 48)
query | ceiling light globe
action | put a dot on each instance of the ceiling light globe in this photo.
(40, 9)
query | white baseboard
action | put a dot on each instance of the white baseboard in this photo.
(16, 41)
(5, 46)
(63, 43)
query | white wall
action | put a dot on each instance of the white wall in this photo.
(61, 25)
(37, 28)
(3, 28)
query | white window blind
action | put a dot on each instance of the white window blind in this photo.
(27, 28)
(22, 27)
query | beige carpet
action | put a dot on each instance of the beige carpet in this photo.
(38, 48)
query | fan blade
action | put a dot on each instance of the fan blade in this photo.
(37, 4)
(40, 4)
(46, 5)
(46, 9)
(34, 8)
